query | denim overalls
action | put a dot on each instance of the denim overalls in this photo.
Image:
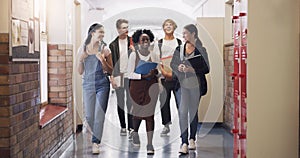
(95, 95)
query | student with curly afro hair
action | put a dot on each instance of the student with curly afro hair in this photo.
(143, 87)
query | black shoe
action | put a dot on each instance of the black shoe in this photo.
(150, 149)
(79, 128)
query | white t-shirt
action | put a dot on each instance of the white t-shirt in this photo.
(132, 60)
(168, 47)
(123, 49)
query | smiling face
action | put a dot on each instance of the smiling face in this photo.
(169, 28)
(144, 41)
(188, 36)
(98, 34)
(123, 29)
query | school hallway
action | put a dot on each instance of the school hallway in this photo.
(251, 108)
(217, 143)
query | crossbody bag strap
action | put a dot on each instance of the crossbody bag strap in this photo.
(159, 47)
(181, 52)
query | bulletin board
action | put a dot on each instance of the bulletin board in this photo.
(25, 31)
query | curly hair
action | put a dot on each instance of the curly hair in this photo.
(137, 34)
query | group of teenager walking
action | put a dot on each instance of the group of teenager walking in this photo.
(181, 68)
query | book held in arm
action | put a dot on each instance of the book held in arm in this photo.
(144, 67)
(194, 60)
(166, 62)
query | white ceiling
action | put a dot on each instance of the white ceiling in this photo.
(113, 7)
(149, 13)
(148, 18)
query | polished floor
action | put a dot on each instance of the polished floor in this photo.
(212, 141)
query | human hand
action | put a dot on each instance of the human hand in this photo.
(113, 83)
(132, 48)
(188, 69)
(166, 74)
(82, 56)
(162, 70)
(151, 74)
(101, 57)
(154, 72)
(181, 67)
(105, 50)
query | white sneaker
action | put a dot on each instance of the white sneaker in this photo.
(123, 132)
(130, 134)
(184, 149)
(95, 149)
(192, 144)
(136, 139)
(165, 131)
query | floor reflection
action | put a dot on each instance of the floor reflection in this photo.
(217, 143)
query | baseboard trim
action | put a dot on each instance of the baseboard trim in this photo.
(63, 147)
(217, 125)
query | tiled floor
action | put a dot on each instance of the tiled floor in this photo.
(211, 142)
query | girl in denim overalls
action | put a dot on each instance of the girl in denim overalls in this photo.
(94, 64)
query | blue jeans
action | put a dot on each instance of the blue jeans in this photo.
(188, 112)
(95, 97)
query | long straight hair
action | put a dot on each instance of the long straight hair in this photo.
(192, 28)
(92, 29)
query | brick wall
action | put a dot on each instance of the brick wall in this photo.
(228, 85)
(5, 109)
(20, 135)
(55, 134)
(60, 73)
(60, 68)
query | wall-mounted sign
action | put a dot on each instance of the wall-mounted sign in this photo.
(25, 31)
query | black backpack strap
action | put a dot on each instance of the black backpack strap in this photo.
(179, 41)
(159, 46)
